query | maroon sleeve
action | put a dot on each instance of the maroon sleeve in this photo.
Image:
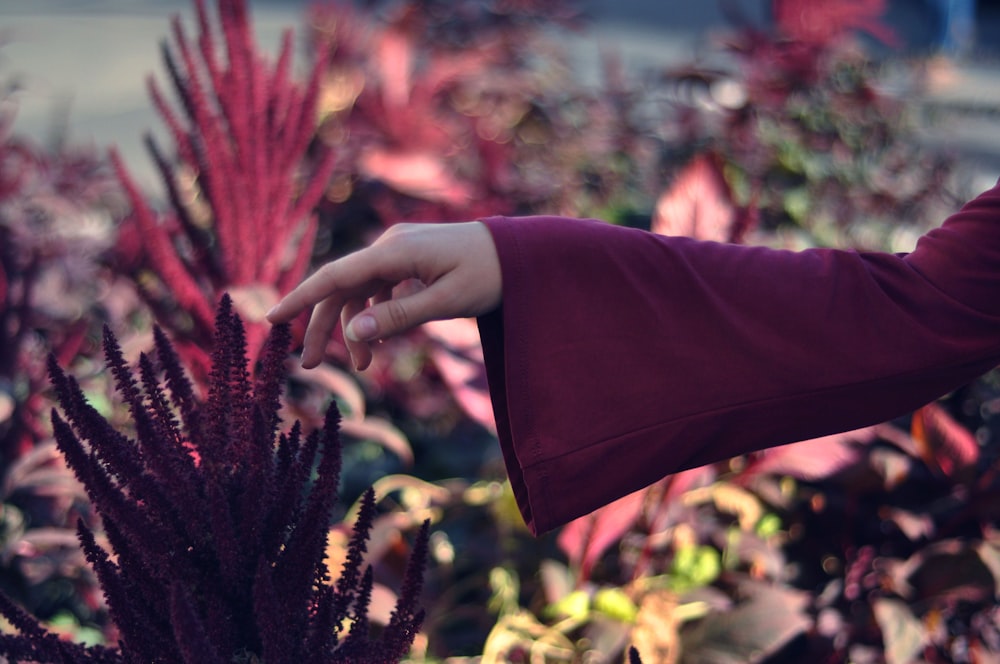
(620, 356)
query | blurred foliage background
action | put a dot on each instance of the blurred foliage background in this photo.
(875, 546)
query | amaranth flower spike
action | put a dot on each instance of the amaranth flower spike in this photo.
(216, 522)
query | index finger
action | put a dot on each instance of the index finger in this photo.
(356, 275)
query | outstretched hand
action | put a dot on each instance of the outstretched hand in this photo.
(412, 274)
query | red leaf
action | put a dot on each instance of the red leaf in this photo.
(822, 22)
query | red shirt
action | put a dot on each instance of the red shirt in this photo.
(620, 356)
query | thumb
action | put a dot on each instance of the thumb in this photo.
(395, 315)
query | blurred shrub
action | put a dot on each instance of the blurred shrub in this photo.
(56, 217)
(784, 135)
(792, 119)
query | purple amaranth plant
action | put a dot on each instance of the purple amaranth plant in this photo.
(241, 187)
(217, 524)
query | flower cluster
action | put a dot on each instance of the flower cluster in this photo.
(215, 523)
(242, 181)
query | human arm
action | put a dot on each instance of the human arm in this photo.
(619, 356)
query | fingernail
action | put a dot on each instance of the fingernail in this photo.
(271, 311)
(362, 328)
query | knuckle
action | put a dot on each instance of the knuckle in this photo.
(398, 249)
(398, 232)
(398, 317)
(328, 272)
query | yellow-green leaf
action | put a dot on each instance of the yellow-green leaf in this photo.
(615, 603)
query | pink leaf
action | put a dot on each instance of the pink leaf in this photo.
(382, 604)
(944, 444)
(395, 63)
(915, 526)
(697, 205)
(812, 459)
(458, 356)
(418, 174)
(680, 483)
(587, 538)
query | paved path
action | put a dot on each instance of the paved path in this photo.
(85, 61)
(84, 64)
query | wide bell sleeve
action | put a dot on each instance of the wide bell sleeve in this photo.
(618, 356)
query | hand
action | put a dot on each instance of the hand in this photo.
(412, 274)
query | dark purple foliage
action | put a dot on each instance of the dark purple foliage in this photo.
(217, 522)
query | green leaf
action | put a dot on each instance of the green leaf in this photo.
(506, 587)
(66, 623)
(100, 402)
(613, 602)
(768, 526)
(694, 567)
(797, 204)
(575, 605)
